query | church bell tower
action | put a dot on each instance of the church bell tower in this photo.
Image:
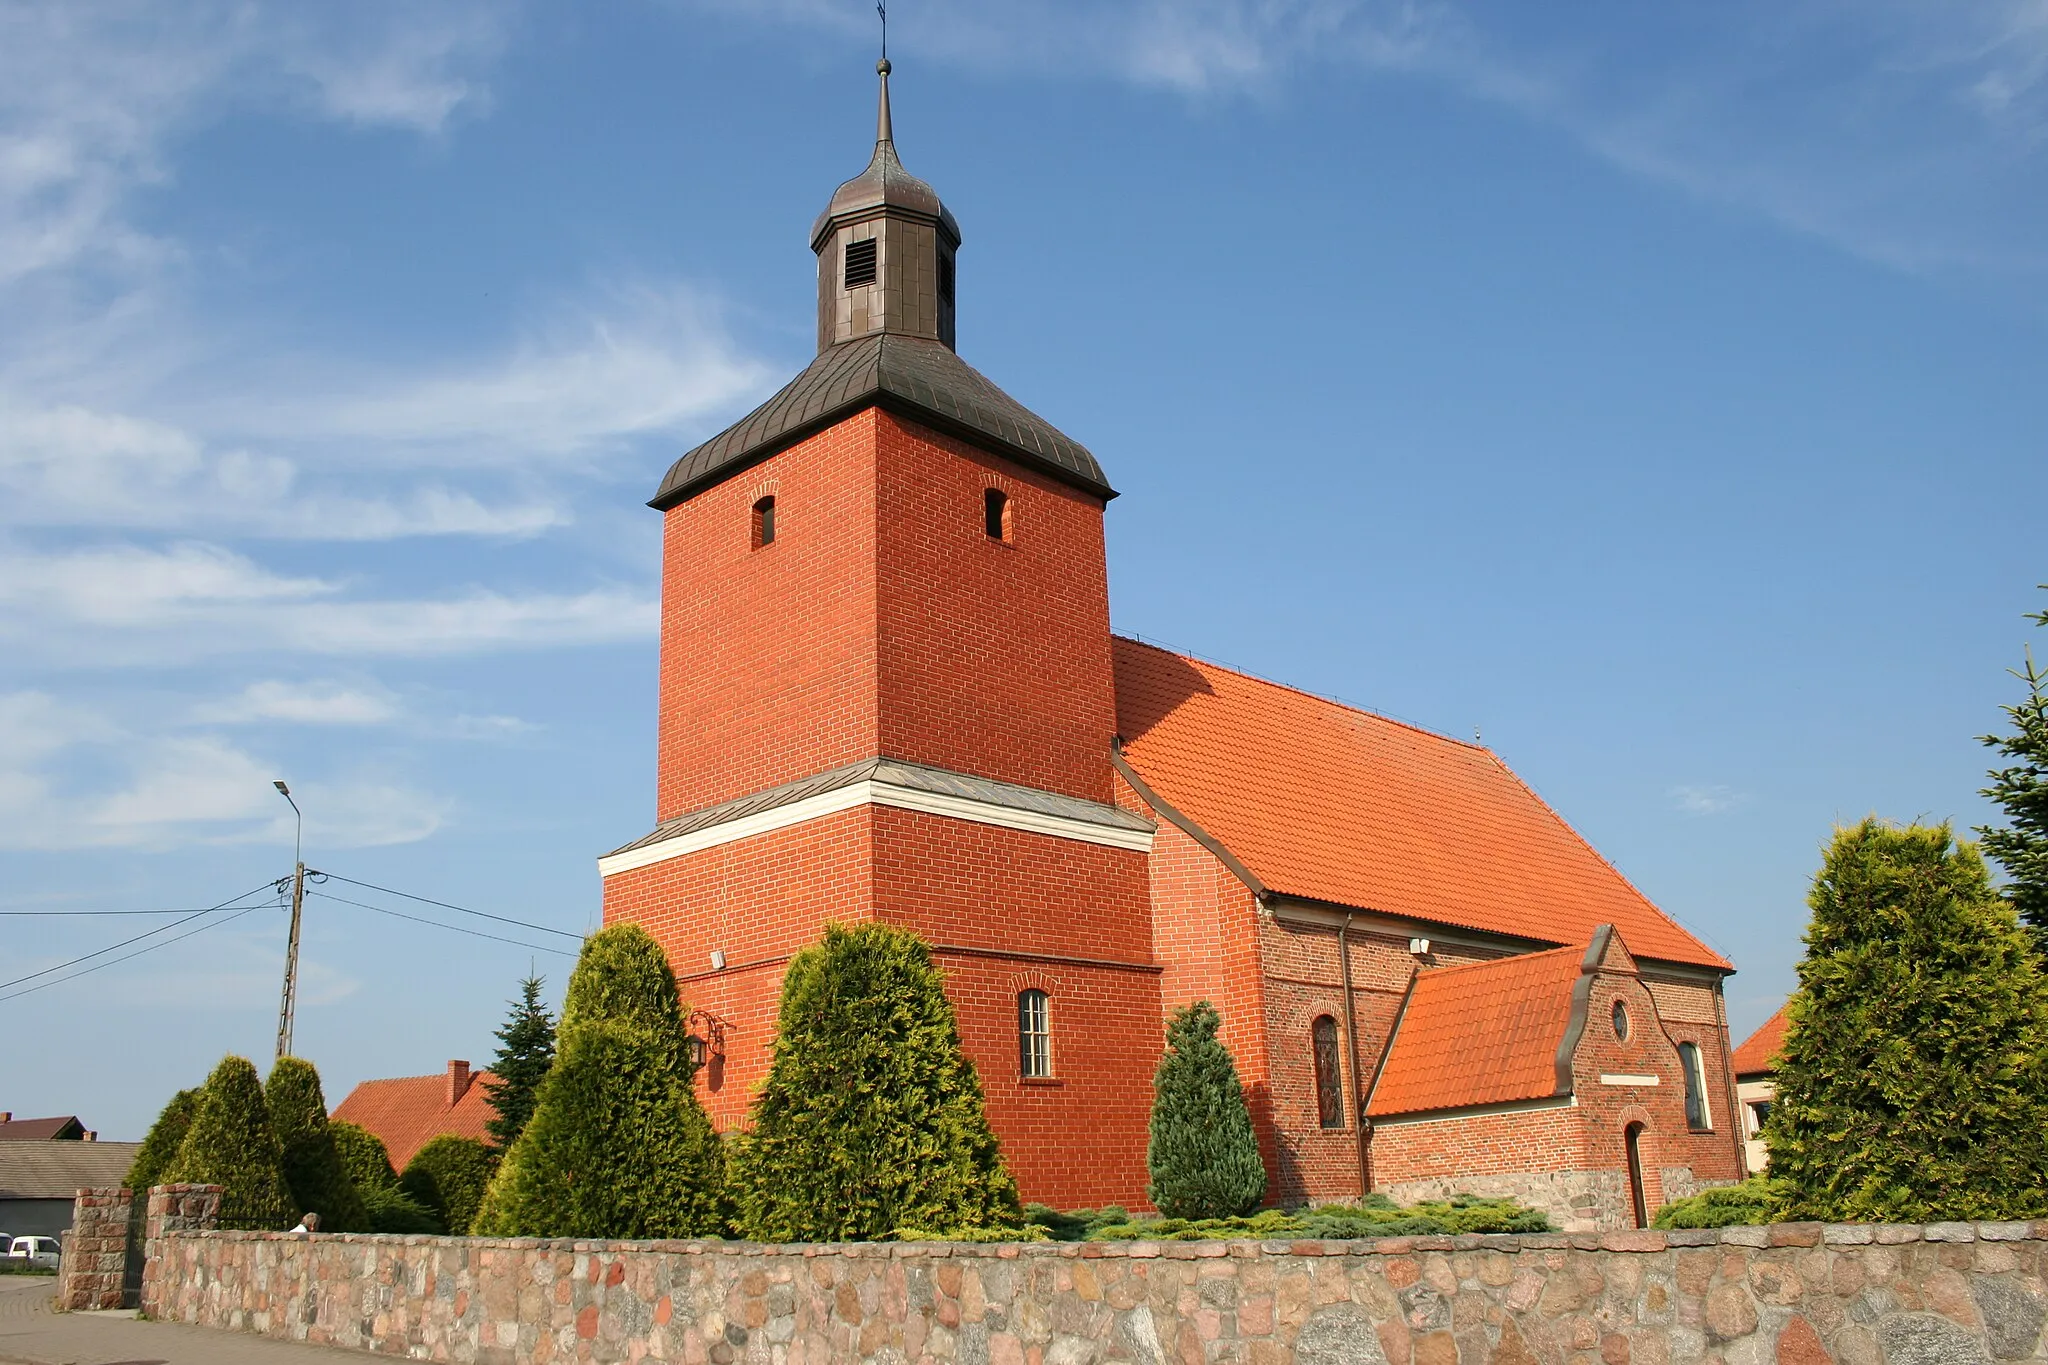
(886, 694)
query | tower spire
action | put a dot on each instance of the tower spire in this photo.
(883, 132)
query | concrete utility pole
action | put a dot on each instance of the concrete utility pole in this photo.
(289, 1005)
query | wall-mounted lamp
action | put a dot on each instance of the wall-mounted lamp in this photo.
(697, 1050)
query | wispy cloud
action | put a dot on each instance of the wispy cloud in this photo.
(303, 703)
(163, 790)
(1706, 798)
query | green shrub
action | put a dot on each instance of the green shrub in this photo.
(618, 1146)
(1203, 1155)
(1074, 1226)
(1373, 1216)
(363, 1155)
(1913, 1082)
(160, 1147)
(1753, 1202)
(449, 1176)
(392, 1210)
(871, 1119)
(231, 1144)
(312, 1167)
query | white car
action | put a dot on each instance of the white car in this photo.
(40, 1250)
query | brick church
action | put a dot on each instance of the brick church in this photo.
(889, 691)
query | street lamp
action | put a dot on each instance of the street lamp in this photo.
(289, 1005)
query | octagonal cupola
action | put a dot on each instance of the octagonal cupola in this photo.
(885, 249)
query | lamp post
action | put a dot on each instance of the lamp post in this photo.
(289, 1005)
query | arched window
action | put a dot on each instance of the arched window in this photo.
(1621, 1021)
(1690, 1063)
(995, 514)
(764, 522)
(1329, 1074)
(1034, 1034)
(1638, 1196)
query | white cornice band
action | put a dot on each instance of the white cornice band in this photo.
(876, 793)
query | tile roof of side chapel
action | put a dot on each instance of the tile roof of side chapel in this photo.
(408, 1112)
(1328, 803)
(1758, 1055)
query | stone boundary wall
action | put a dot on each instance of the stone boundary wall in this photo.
(1792, 1294)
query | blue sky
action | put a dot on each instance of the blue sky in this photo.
(1657, 391)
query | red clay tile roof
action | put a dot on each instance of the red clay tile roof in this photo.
(1334, 804)
(408, 1112)
(41, 1130)
(1758, 1056)
(1484, 1033)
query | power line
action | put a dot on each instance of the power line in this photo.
(186, 910)
(210, 924)
(517, 923)
(160, 929)
(451, 928)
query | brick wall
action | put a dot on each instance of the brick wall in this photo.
(1796, 1294)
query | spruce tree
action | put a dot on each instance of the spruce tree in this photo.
(160, 1147)
(2021, 845)
(1913, 1082)
(618, 1145)
(448, 1176)
(871, 1119)
(1203, 1155)
(526, 1049)
(231, 1144)
(312, 1167)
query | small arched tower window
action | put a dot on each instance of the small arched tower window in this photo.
(764, 522)
(1621, 1021)
(1329, 1074)
(995, 514)
(1690, 1063)
(1034, 1034)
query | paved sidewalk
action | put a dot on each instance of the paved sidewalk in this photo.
(32, 1333)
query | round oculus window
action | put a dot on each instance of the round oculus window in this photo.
(1621, 1021)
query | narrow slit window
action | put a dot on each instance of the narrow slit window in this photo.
(1689, 1062)
(1034, 1035)
(1329, 1074)
(764, 522)
(995, 514)
(860, 262)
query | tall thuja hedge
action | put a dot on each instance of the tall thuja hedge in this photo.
(231, 1144)
(160, 1146)
(618, 1145)
(1203, 1155)
(449, 1176)
(871, 1120)
(1913, 1082)
(312, 1167)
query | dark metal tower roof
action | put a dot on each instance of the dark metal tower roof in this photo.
(884, 184)
(914, 377)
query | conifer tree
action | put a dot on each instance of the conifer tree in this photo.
(2021, 845)
(1913, 1081)
(312, 1167)
(160, 1146)
(526, 1049)
(618, 1145)
(1203, 1155)
(231, 1144)
(871, 1119)
(448, 1176)
(363, 1155)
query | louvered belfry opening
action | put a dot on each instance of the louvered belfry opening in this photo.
(860, 263)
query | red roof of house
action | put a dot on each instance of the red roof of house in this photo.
(1329, 803)
(1483, 1033)
(41, 1130)
(1758, 1055)
(408, 1112)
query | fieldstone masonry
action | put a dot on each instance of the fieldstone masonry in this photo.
(1793, 1294)
(112, 1236)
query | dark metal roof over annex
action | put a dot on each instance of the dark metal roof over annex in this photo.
(914, 377)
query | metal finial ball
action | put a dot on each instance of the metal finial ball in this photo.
(882, 67)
